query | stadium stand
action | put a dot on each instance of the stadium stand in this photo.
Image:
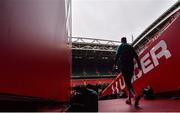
(91, 70)
(92, 57)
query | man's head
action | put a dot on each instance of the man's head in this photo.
(123, 40)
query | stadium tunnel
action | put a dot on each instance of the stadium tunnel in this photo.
(44, 68)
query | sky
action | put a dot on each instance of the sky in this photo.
(113, 19)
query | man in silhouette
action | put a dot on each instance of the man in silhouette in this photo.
(124, 61)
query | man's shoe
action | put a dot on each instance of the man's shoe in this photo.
(128, 101)
(137, 99)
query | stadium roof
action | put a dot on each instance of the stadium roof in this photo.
(150, 31)
(91, 44)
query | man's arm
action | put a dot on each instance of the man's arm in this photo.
(137, 58)
(117, 55)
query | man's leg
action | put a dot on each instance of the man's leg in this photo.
(131, 91)
(136, 97)
(128, 101)
(127, 80)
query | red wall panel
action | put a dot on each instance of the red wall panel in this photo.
(34, 56)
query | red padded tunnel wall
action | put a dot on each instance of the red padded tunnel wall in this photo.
(34, 56)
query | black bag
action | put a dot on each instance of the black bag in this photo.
(148, 93)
